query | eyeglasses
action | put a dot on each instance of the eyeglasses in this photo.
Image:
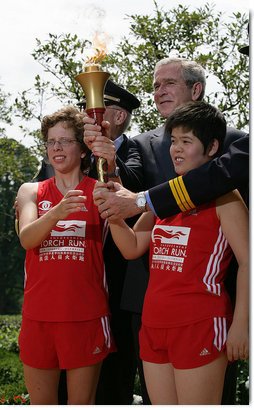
(63, 142)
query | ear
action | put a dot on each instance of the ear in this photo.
(213, 148)
(120, 117)
(196, 91)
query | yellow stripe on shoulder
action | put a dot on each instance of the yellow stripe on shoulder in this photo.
(180, 194)
(173, 187)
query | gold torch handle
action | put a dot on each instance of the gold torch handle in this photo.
(101, 169)
(101, 163)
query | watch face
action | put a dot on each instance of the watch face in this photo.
(141, 201)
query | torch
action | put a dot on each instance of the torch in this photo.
(93, 81)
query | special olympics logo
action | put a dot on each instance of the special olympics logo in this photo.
(70, 228)
(163, 234)
(44, 205)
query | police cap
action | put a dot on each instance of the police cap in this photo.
(116, 95)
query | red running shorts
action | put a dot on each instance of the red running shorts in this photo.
(64, 345)
(185, 347)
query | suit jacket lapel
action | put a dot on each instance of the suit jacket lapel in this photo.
(160, 144)
(123, 149)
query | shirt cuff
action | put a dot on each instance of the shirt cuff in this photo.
(148, 200)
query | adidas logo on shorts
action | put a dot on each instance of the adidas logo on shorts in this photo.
(97, 350)
(204, 352)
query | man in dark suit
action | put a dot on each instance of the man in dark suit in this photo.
(176, 81)
(116, 382)
(222, 175)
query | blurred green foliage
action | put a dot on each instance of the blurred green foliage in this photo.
(12, 385)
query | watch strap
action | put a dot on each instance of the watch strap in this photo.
(114, 174)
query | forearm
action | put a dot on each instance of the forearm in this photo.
(32, 234)
(241, 312)
(182, 194)
(238, 334)
(125, 239)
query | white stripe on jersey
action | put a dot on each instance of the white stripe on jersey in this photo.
(213, 266)
(105, 283)
(25, 276)
(220, 332)
(105, 231)
(106, 330)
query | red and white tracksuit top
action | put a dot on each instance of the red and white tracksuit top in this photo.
(189, 257)
(65, 275)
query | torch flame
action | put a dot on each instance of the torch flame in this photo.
(97, 58)
(100, 48)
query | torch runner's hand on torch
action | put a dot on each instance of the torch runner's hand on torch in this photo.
(100, 145)
(114, 201)
(104, 187)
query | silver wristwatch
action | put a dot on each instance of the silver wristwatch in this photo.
(141, 201)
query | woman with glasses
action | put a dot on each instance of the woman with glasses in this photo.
(65, 309)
